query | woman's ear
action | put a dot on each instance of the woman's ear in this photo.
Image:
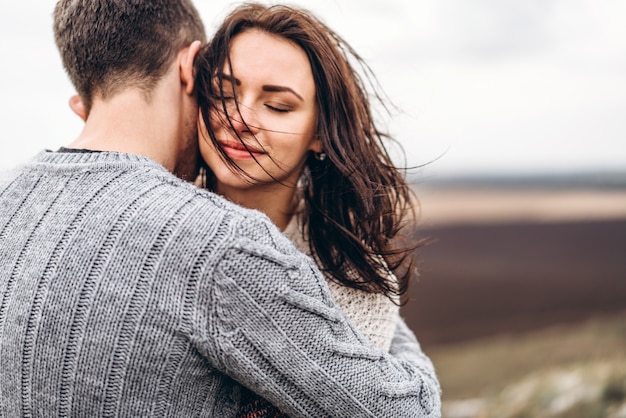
(76, 104)
(316, 145)
(187, 73)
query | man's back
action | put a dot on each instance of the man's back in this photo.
(127, 292)
(100, 280)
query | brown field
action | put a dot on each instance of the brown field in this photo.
(480, 280)
(516, 284)
(498, 205)
(503, 261)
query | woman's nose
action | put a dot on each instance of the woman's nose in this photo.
(244, 119)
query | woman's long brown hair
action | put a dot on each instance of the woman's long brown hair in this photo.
(356, 200)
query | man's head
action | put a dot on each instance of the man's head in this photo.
(111, 45)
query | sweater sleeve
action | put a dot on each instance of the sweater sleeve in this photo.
(404, 346)
(274, 327)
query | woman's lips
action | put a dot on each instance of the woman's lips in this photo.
(238, 151)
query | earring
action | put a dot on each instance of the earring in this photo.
(320, 156)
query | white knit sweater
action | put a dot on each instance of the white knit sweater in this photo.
(374, 314)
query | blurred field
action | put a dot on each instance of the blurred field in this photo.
(487, 205)
(521, 302)
(575, 370)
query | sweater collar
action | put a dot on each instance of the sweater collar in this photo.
(102, 160)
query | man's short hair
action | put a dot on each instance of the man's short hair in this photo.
(110, 45)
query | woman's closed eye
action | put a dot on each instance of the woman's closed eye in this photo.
(278, 107)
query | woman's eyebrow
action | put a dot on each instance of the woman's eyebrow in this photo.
(267, 87)
(272, 88)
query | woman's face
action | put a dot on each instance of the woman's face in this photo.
(276, 97)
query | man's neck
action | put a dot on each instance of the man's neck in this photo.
(128, 123)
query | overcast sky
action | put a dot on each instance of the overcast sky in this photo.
(484, 86)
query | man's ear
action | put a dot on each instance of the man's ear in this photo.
(187, 73)
(76, 104)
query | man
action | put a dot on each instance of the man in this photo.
(126, 291)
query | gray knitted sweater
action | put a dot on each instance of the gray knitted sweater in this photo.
(127, 292)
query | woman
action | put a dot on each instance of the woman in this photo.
(292, 134)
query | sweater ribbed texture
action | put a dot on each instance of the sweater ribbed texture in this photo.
(127, 292)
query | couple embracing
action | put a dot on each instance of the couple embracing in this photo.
(223, 238)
